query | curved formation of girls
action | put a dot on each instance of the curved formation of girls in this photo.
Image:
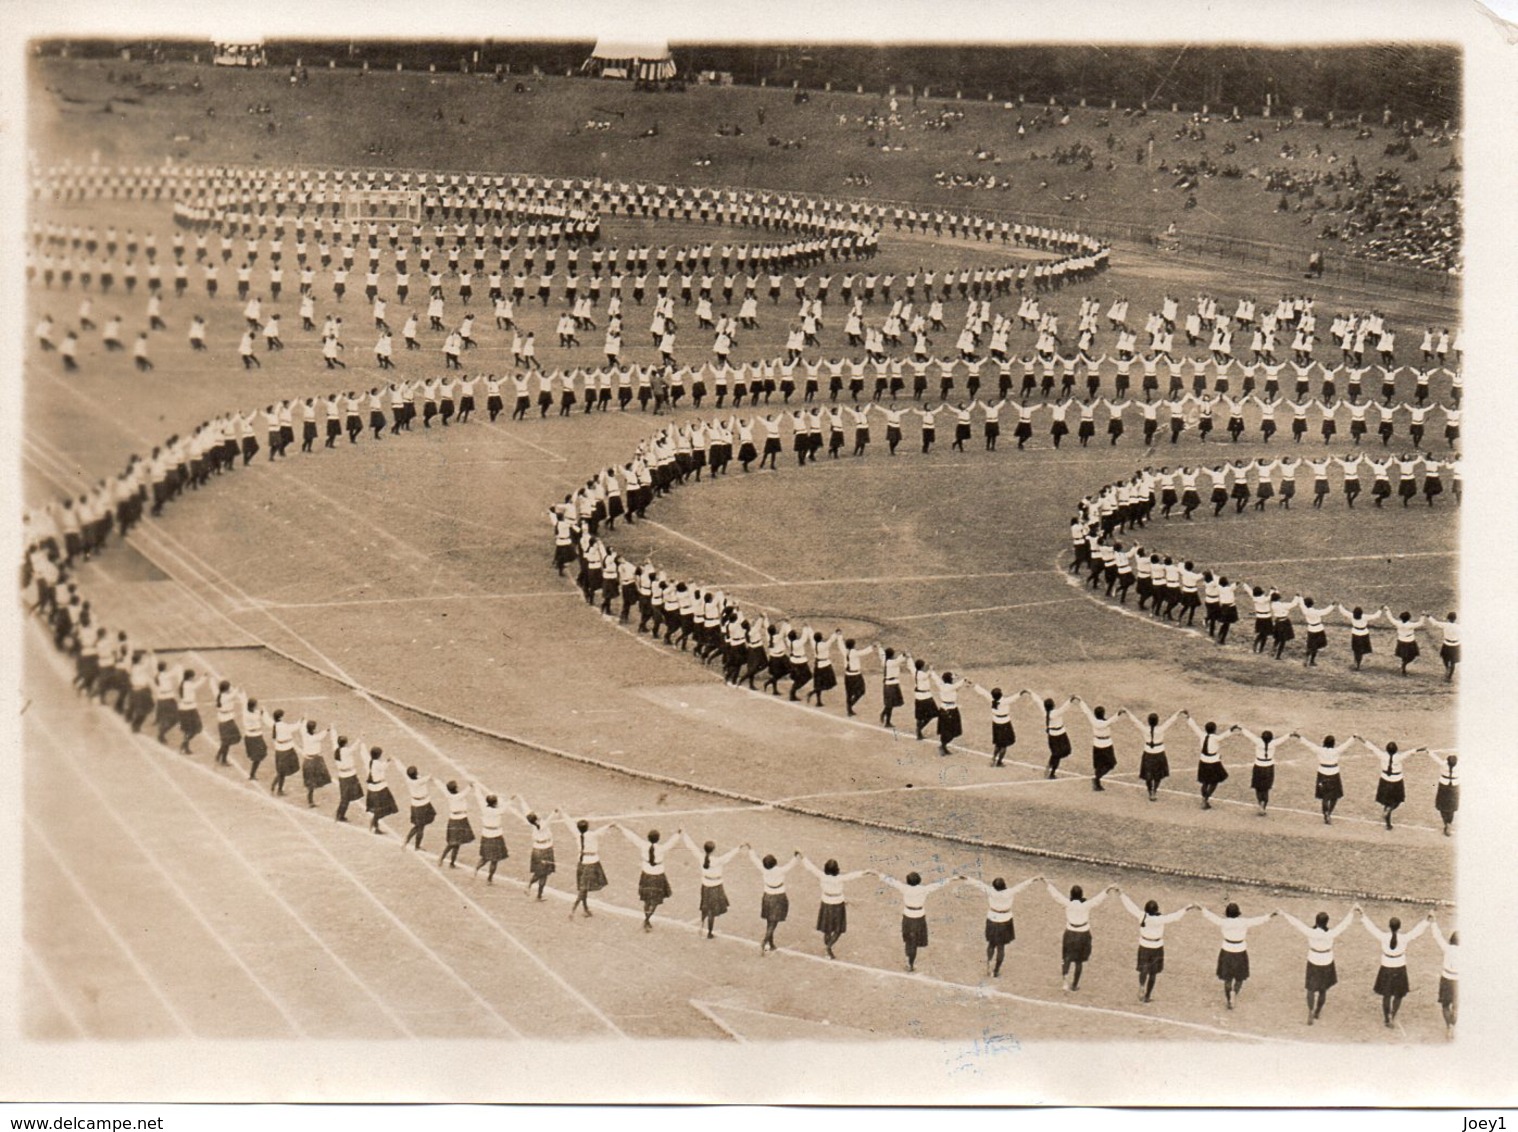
(111, 668)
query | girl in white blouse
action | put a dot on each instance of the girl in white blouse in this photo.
(1447, 794)
(590, 876)
(775, 905)
(1154, 764)
(1000, 929)
(1233, 956)
(1391, 978)
(1103, 755)
(1391, 789)
(832, 913)
(492, 838)
(540, 865)
(1075, 946)
(1321, 973)
(378, 800)
(1329, 786)
(914, 915)
(1151, 945)
(713, 895)
(458, 832)
(1449, 977)
(653, 882)
(1262, 774)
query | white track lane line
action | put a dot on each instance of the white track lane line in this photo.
(235, 852)
(423, 741)
(701, 1009)
(712, 550)
(361, 601)
(981, 609)
(888, 581)
(510, 434)
(88, 901)
(149, 748)
(60, 754)
(44, 978)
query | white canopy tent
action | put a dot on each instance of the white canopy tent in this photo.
(629, 58)
(242, 50)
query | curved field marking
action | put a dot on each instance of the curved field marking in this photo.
(374, 698)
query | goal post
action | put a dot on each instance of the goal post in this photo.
(383, 205)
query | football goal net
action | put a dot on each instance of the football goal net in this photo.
(399, 205)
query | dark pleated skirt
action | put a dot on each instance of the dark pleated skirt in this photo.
(1447, 991)
(1329, 788)
(314, 772)
(1321, 977)
(381, 803)
(713, 900)
(950, 727)
(1233, 965)
(774, 908)
(1151, 961)
(1000, 932)
(493, 849)
(653, 888)
(914, 930)
(591, 878)
(1390, 793)
(1075, 947)
(1103, 759)
(833, 918)
(1154, 767)
(541, 863)
(1392, 981)
(459, 832)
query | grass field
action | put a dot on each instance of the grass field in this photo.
(450, 121)
(416, 572)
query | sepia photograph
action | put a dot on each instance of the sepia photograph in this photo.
(877, 558)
